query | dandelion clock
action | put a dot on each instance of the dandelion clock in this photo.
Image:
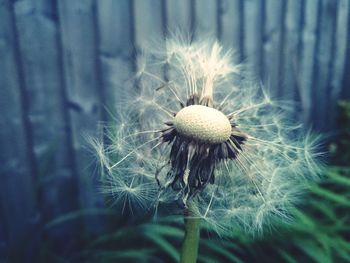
(197, 134)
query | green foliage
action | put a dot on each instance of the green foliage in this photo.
(318, 232)
(320, 229)
(339, 150)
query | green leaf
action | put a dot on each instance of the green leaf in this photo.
(338, 178)
(139, 254)
(117, 235)
(164, 230)
(338, 198)
(165, 245)
(313, 251)
(155, 232)
(306, 221)
(324, 208)
(342, 248)
(287, 257)
(343, 243)
(213, 245)
(231, 244)
(206, 259)
(77, 214)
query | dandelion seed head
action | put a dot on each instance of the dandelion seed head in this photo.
(206, 135)
(203, 124)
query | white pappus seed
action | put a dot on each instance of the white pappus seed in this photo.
(203, 124)
(249, 174)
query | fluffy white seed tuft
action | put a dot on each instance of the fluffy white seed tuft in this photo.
(203, 124)
(268, 175)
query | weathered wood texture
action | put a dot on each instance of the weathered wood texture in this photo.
(84, 93)
(289, 84)
(115, 49)
(231, 26)
(253, 47)
(62, 63)
(17, 193)
(205, 19)
(37, 38)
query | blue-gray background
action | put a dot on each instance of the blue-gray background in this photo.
(63, 62)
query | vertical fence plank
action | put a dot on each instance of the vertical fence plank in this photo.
(17, 197)
(84, 93)
(37, 35)
(341, 43)
(231, 24)
(205, 18)
(116, 48)
(306, 70)
(291, 50)
(149, 27)
(272, 47)
(346, 78)
(149, 24)
(4, 242)
(253, 35)
(324, 58)
(179, 17)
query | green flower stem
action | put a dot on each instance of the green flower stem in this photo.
(189, 250)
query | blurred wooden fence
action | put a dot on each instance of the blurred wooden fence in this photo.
(62, 60)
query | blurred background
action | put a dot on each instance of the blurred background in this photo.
(63, 64)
